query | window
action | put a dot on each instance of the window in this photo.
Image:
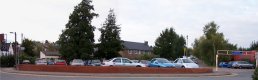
(117, 61)
(126, 61)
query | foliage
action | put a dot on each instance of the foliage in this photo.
(26, 57)
(77, 39)
(146, 57)
(205, 47)
(7, 61)
(254, 46)
(169, 44)
(255, 75)
(29, 46)
(224, 58)
(110, 42)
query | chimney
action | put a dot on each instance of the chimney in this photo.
(146, 42)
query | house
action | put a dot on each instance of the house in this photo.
(6, 49)
(134, 50)
(49, 54)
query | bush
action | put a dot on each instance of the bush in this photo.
(26, 57)
(7, 61)
(255, 75)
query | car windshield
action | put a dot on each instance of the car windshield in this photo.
(60, 61)
(187, 61)
(163, 61)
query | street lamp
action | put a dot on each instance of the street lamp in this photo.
(15, 50)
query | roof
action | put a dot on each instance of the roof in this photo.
(136, 46)
(5, 47)
(54, 53)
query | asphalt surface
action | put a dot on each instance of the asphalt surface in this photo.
(237, 74)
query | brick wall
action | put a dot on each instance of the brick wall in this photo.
(101, 69)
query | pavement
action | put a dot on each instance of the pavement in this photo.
(220, 72)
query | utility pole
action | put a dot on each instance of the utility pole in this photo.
(15, 50)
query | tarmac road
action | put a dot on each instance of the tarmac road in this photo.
(239, 74)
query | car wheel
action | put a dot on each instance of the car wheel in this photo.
(111, 65)
(138, 66)
(158, 66)
(183, 67)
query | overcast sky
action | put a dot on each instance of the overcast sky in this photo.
(140, 20)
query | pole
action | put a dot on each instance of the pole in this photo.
(186, 45)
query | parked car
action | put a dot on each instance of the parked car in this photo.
(230, 64)
(95, 62)
(186, 63)
(145, 62)
(161, 62)
(77, 62)
(120, 61)
(223, 64)
(26, 62)
(242, 64)
(50, 62)
(41, 62)
(60, 62)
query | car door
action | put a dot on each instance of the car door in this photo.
(117, 62)
(127, 62)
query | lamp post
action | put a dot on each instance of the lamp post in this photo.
(15, 50)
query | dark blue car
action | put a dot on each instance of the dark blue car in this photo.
(223, 64)
(161, 62)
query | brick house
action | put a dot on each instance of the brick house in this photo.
(134, 50)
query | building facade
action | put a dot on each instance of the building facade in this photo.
(134, 50)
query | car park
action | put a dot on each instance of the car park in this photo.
(161, 62)
(242, 64)
(230, 64)
(26, 62)
(120, 61)
(41, 62)
(95, 62)
(60, 62)
(77, 62)
(186, 63)
(223, 64)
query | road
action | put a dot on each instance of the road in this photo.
(242, 74)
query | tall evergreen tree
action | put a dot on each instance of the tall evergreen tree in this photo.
(77, 39)
(110, 42)
(169, 44)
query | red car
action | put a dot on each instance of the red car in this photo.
(60, 62)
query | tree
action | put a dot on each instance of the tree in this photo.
(206, 46)
(169, 44)
(77, 39)
(254, 46)
(110, 42)
(29, 46)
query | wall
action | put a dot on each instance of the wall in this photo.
(101, 69)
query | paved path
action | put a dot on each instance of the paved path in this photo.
(222, 74)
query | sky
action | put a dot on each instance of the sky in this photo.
(140, 20)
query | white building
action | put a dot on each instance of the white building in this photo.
(49, 55)
(6, 49)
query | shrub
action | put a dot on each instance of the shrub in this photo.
(255, 75)
(26, 57)
(7, 61)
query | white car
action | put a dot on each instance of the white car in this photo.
(77, 62)
(186, 63)
(119, 61)
(41, 62)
